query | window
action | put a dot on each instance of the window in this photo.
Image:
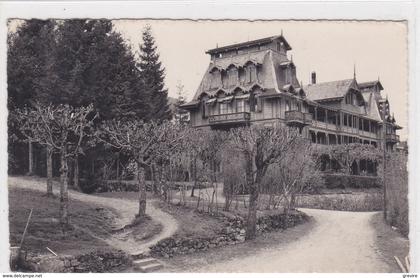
(215, 79)
(259, 105)
(247, 106)
(299, 106)
(345, 119)
(230, 108)
(251, 73)
(287, 105)
(204, 109)
(232, 77)
(278, 46)
(240, 105)
(223, 108)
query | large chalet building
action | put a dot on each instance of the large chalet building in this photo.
(255, 83)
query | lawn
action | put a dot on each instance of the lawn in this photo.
(88, 224)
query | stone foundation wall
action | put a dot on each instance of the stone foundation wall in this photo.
(233, 233)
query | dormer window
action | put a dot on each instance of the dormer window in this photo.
(232, 77)
(251, 73)
(216, 79)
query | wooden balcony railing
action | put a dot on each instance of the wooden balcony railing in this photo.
(298, 117)
(392, 138)
(239, 117)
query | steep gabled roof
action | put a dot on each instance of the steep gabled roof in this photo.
(239, 60)
(249, 43)
(366, 96)
(328, 90)
(370, 84)
(372, 108)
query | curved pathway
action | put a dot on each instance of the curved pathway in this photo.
(339, 242)
(126, 209)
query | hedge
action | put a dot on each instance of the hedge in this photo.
(350, 181)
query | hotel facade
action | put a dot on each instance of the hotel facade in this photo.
(255, 83)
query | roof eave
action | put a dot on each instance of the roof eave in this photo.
(249, 43)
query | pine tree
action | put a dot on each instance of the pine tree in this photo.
(28, 60)
(96, 66)
(28, 57)
(152, 76)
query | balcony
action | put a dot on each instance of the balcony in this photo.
(392, 138)
(298, 118)
(232, 118)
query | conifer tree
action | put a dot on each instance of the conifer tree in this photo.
(28, 61)
(152, 76)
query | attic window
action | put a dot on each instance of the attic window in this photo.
(220, 55)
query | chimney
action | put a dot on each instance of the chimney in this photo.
(313, 77)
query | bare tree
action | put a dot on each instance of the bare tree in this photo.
(60, 128)
(293, 173)
(195, 148)
(144, 142)
(261, 147)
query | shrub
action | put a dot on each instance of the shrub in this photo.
(350, 181)
(346, 202)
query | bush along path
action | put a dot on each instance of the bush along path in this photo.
(126, 210)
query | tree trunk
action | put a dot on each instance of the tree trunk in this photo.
(76, 173)
(31, 158)
(195, 177)
(118, 167)
(251, 223)
(142, 190)
(293, 201)
(154, 179)
(64, 194)
(286, 213)
(49, 172)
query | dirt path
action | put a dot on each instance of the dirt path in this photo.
(127, 209)
(339, 242)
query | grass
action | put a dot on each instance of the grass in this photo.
(389, 242)
(45, 230)
(89, 224)
(193, 224)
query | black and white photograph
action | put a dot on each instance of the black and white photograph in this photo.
(160, 145)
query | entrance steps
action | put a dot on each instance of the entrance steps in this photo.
(144, 263)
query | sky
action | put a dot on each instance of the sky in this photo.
(333, 49)
(330, 48)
